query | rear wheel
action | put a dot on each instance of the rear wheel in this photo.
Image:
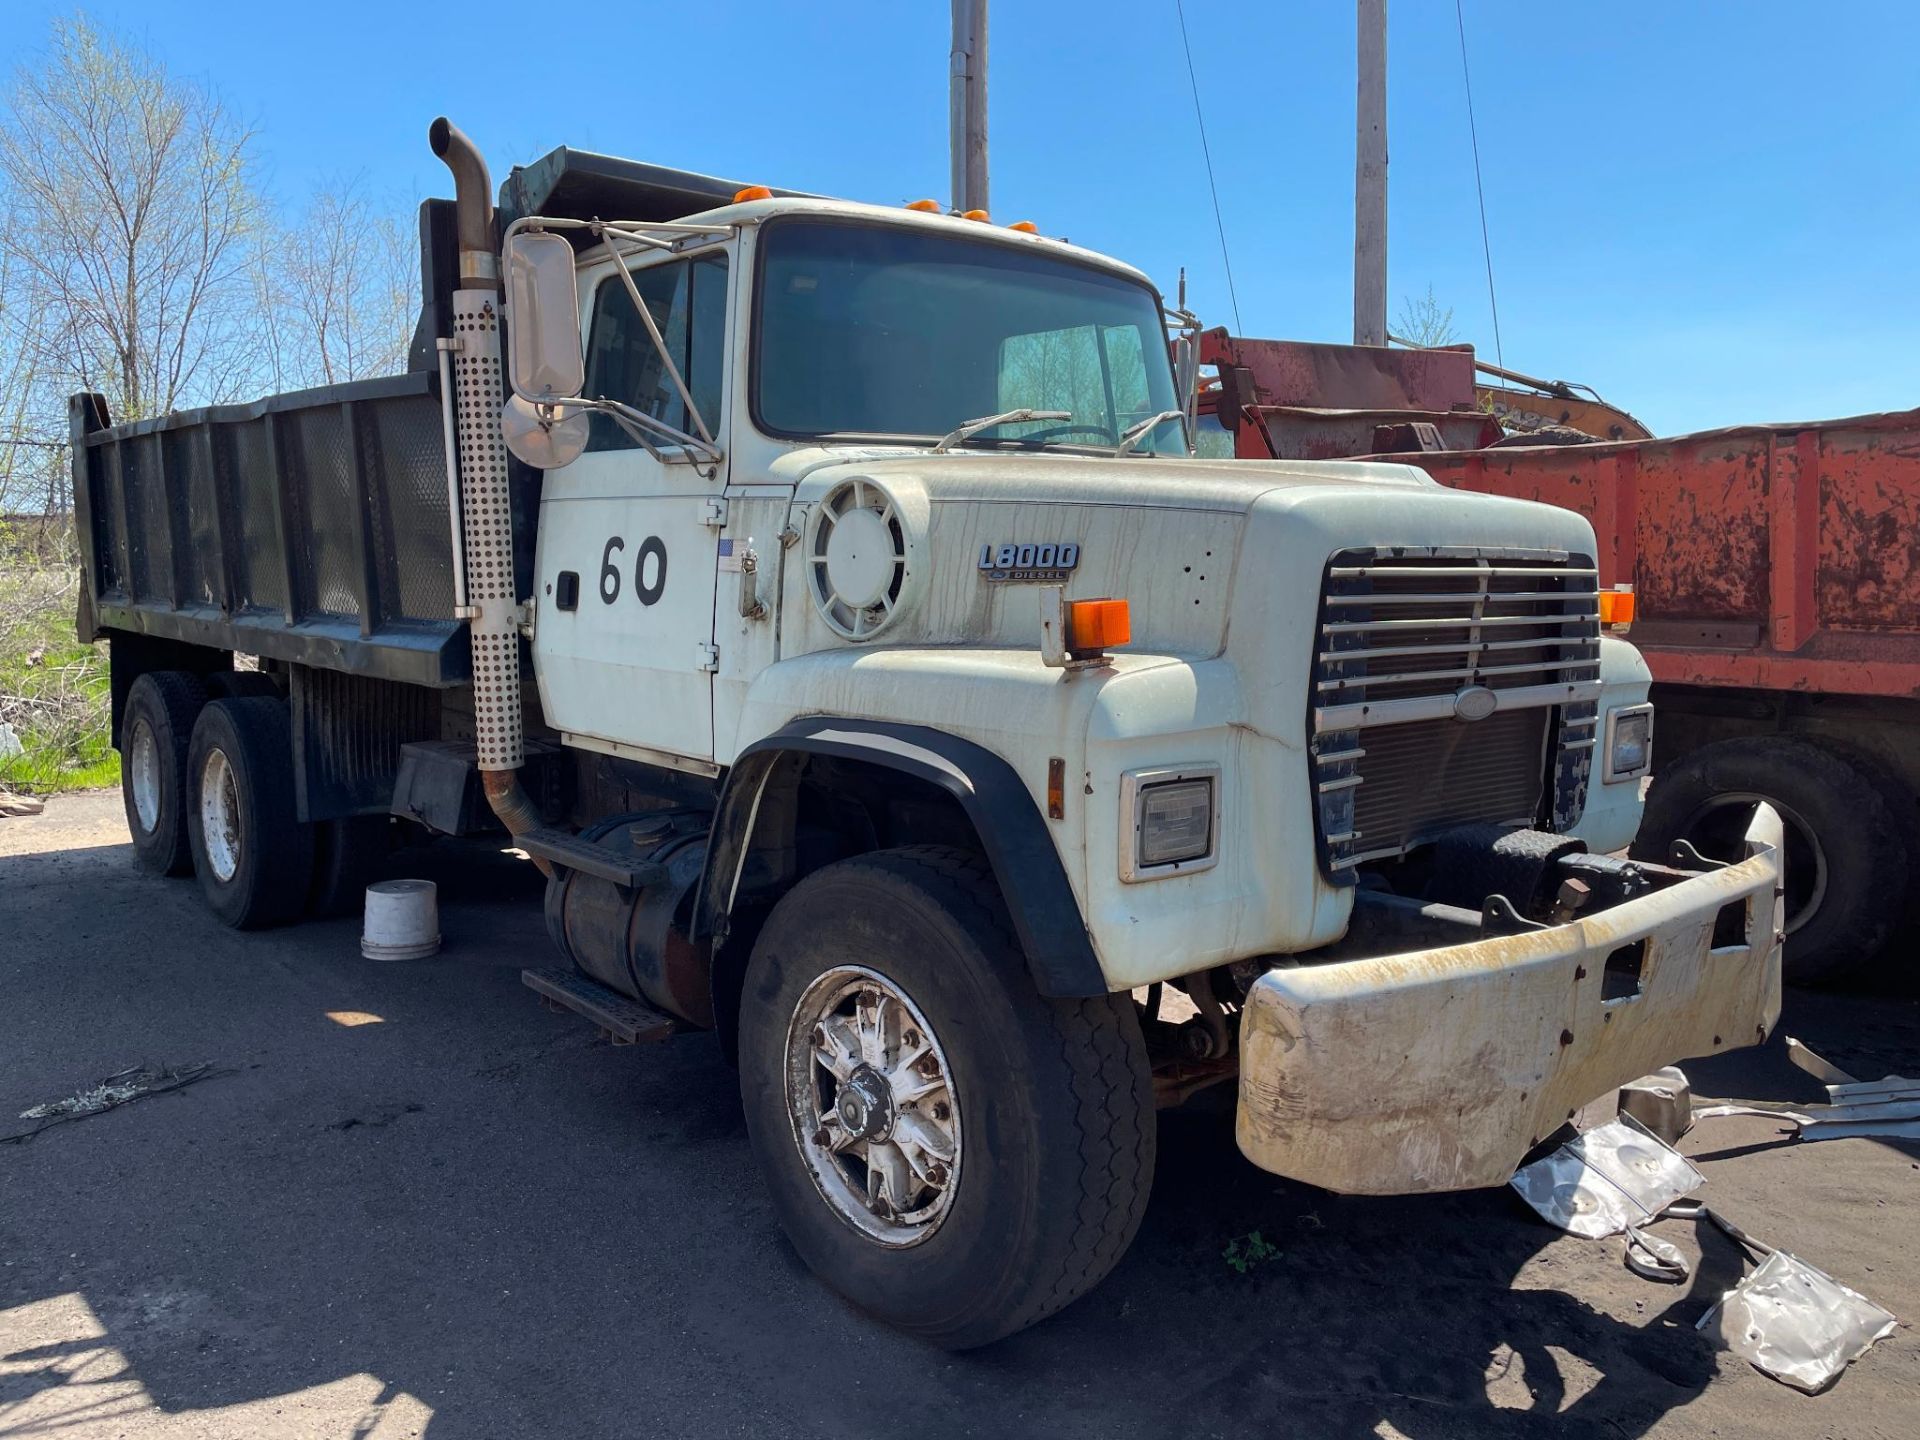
(952, 1151)
(253, 856)
(241, 685)
(155, 730)
(1846, 850)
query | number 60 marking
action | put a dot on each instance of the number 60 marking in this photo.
(652, 548)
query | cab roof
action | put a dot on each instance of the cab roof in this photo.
(581, 185)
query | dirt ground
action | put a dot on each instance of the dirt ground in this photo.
(415, 1203)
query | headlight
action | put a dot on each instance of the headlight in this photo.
(1629, 742)
(1172, 821)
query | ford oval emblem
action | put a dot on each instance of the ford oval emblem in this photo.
(1476, 702)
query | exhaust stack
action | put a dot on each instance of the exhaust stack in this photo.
(492, 610)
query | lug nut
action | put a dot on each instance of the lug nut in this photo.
(820, 1137)
(912, 1037)
(940, 1110)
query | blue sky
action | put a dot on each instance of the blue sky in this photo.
(1707, 211)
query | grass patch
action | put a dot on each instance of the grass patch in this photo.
(53, 690)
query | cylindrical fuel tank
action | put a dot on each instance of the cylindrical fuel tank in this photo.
(635, 941)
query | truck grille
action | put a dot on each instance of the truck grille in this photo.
(1415, 642)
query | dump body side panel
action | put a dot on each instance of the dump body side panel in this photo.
(310, 528)
(1775, 557)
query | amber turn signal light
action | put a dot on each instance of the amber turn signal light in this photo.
(751, 192)
(1616, 607)
(925, 207)
(980, 215)
(1095, 625)
(1025, 227)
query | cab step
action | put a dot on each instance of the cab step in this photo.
(626, 1021)
(564, 848)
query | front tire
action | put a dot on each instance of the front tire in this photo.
(955, 1153)
(155, 730)
(253, 856)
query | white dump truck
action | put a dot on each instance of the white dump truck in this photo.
(825, 596)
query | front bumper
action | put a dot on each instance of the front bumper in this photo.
(1440, 1069)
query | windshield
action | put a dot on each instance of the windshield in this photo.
(885, 330)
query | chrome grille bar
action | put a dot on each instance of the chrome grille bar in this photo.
(1520, 629)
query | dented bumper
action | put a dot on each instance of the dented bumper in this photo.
(1439, 1069)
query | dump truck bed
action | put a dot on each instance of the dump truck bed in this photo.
(1764, 557)
(310, 527)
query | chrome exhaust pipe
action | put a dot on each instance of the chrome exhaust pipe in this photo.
(492, 610)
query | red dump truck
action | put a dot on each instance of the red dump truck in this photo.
(1776, 570)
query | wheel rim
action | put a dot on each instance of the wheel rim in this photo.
(143, 774)
(220, 815)
(874, 1110)
(1718, 831)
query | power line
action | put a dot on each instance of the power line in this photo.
(1473, 131)
(1218, 224)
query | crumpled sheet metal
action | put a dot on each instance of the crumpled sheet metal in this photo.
(1796, 1323)
(1606, 1180)
(1886, 1109)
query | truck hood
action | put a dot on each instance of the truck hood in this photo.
(1210, 554)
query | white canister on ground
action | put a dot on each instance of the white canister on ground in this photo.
(402, 920)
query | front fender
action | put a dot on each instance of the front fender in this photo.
(1026, 865)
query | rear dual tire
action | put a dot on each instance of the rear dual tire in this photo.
(252, 855)
(156, 730)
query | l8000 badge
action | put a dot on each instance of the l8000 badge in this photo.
(1035, 564)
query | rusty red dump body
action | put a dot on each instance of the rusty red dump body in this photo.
(1767, 557)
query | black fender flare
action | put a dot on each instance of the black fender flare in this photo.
(1046, 914)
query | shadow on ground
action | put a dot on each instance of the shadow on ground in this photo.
(480, 1206)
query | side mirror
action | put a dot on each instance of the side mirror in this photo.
(1186, 369)
(1186, 375)
(543, 317)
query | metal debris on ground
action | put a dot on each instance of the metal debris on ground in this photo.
(1880, 1109)
(1662, 1101)
(1607, 1180)
(116, 1090)
(1791, 1321)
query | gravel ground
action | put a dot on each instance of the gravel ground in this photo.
(468, 1217)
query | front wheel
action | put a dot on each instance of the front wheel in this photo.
(952, 1151)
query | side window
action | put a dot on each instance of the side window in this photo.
(688, 301)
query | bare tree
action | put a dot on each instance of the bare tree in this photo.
(337, 291)
(130, 207)
(1424, 321)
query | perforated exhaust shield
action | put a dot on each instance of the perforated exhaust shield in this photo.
(489, 531)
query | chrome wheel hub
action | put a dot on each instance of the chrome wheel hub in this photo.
(873, 1106)
(220, 815)
(143, 772)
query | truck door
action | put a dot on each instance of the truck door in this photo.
(625, 585)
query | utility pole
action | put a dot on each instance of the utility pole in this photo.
(967, 105)
(1370, 180)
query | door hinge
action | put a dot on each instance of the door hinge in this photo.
(709, 657)
(713, 514)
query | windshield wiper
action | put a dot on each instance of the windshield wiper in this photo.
(1134, 434)
(968, 429)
